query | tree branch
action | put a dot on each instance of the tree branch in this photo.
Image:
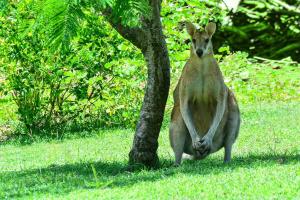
(135, 35)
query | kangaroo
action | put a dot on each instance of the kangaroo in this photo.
(205, 116)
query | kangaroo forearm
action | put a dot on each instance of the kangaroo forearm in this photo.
(221, 105)
(187, 118)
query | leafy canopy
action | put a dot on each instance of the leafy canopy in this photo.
(60, 20)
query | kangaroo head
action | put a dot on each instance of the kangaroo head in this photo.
(201, 39)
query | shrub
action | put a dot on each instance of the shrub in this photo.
(98, 83)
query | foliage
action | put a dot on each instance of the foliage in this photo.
(85, 87)
(98, 80)
(258, 26)
(61, 20)
(255, 81)
(265, 164)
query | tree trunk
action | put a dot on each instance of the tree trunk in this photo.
(151, 41)
(145, 144)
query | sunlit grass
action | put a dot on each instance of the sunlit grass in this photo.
(265, 165)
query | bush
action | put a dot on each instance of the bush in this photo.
(256, 81)
(99, 82)
(259, 24)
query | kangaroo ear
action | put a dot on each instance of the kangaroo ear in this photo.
(190, 27)
(210, 28)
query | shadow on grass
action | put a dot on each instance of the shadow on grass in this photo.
(63, 179)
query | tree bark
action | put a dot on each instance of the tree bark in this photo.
(151, 41)
(145, 144)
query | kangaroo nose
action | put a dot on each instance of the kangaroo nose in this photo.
(199, 52)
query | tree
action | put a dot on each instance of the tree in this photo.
(150, 39)
(145, 32)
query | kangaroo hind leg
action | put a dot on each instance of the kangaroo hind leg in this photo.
(232, 127)
(178, 133)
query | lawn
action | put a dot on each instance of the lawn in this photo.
(265, 165)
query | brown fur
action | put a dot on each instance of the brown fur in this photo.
(205, 116)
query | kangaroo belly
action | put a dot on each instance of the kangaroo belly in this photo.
(203, 115)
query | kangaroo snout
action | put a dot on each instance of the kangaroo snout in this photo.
(199, 52)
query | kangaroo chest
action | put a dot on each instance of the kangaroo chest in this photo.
(204, 88)
(204, 80)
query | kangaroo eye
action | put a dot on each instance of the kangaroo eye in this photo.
(207, 40)
(194, 41)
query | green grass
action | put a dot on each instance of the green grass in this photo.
(265, 165)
